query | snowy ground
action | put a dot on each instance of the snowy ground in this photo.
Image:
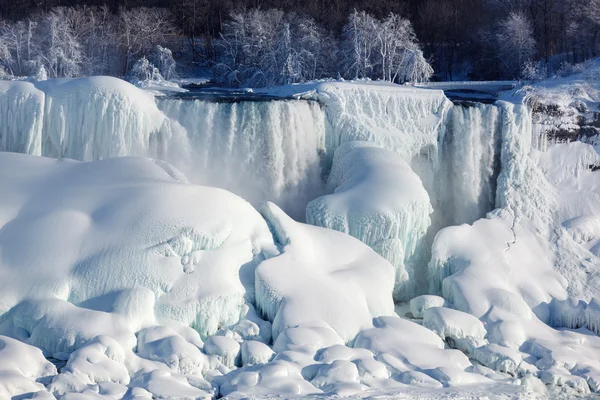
(121, 278)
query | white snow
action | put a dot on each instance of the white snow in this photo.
(102, 232)
(460, 330)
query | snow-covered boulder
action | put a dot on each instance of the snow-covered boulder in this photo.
(406, 346)
(459, 329)
(225, 349)
(255, 352)
(163, 344)
(379, 200)
(340, 282)
(420, 304)
(126, 239)
(22, 368)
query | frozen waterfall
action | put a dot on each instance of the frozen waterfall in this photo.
(282, 150)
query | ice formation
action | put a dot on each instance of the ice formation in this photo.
(378, 199)
(138, 284)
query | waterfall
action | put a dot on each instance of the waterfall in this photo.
(260, 150)
(468, 163)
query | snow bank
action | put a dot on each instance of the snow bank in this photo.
(379, 200)
(339, 282)
(95, 234)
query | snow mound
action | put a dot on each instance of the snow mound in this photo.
(120, 236)
(405, 346)
(379, 200)
(340, 281)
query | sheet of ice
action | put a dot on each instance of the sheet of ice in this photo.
(96, 234)
(379, 200)
(340, 281)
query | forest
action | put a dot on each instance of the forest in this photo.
(263, 43)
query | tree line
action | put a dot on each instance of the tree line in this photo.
(459, 39)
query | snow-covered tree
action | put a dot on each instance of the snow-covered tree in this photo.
(60, 50)
(515, 42)
(266, 48)
(163, 60)
(387, 50)
(141, 29)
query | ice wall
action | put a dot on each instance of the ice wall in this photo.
(261, 150)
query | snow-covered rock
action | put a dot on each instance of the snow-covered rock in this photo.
(379, 200)
(23, 368)
(254, 352)
(225, 349)
(459, 329)
(420, 304)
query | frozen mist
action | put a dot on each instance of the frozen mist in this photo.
(141, 283)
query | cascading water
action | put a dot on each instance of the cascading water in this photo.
(468, 163)
(260, 150)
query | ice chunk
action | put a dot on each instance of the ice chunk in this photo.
(460, 330)
(420, 304)
(379, 200)
(340, 282)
